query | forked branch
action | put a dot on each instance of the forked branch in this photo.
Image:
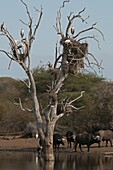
(32, 33)
(21, 106)
(66, 107)
(88, 29)
(71, 19)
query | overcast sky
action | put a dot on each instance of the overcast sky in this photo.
(100, 11)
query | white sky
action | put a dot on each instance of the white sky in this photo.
(100, 11)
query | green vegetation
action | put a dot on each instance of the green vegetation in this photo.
(97, 101)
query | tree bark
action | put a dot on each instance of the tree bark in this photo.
(48, 153)
(36, 107)
(47, 137)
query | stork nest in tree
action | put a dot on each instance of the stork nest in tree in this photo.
(76, 52)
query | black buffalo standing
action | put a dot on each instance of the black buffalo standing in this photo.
(86, 139)
(70, 136)
(57, 140)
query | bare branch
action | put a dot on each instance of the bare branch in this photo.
(59, 116)
(26, 9)
(63, 5)
(58, 27)
(57, 59)
(81, 11)
(93, 37)
(24, 22)
(10, 64)
(60, 83)
(70, 20)
(32, 33)
(96, 62)
(8, 54)
(90, 63)
(88, 29)
(77, 98)
(69, 23)
(76, 108)
(37, 25)
(66, 107)
(23, 109)
(100, 32)
(25, 83)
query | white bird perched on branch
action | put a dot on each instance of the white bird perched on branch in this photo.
(72, 30)
(22, 33)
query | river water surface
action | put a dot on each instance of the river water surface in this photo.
(30, 161)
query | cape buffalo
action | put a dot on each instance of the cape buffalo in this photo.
(86, 139)
(57, 140)
(106, 135)
(70, 136)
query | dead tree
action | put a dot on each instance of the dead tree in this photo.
(69, 61)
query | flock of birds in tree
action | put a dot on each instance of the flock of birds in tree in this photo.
(20, 48)
(19, 44)
(22, 34)
(75, 51)
(3, 28)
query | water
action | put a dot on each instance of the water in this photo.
(30, 161)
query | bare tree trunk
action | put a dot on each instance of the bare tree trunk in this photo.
(48, 153)
(37, 114)
(47, 137)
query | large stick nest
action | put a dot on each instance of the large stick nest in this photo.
(75, 52)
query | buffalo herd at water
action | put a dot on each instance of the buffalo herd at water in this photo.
(96, 133)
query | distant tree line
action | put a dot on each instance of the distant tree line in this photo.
(97, 101)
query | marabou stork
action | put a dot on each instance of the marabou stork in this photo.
(22, 33)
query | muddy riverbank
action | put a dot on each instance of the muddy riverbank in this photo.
(30, 144)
